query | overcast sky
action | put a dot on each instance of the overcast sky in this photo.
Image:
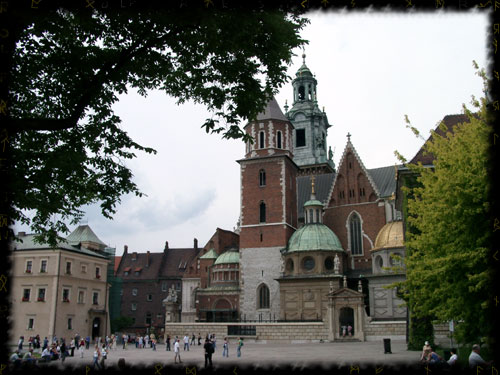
(371, 68)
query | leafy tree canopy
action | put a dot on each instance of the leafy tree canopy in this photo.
(447, 246)
(69, 66)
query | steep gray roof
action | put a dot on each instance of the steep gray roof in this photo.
(83, 234)
(322, 185)
(385, 180)
(29, 244)
(272, 112)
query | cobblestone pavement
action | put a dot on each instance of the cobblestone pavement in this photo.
(265, 355)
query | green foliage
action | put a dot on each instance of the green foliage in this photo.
(120, 323)
(69, 66)
(421, 330)
(448, 231)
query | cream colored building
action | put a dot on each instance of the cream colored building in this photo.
(61, 291)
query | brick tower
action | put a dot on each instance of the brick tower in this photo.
(268, 214)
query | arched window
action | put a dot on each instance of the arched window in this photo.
(278, 139)
(262, 212)
(261, 140)
(301, 93)
(263, 294)
(262, 177)
(355, 235)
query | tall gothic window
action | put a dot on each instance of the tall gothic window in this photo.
(355, 234)
(263, 293)
(278, 139)
(262, 212)
(262, 177)
(261, 140)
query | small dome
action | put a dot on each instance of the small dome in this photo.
(391, 235)
(303, 71)
(313, 202)
(314, 237)
(228, 257)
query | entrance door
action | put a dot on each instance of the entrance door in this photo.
(96, 328)
(346, 319)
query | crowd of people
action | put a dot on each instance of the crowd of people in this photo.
(429, 356)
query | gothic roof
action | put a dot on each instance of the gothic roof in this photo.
(176, 261)
(146, 270)
(84, 234)
(450, 121)
(322, 185)
(271, 112)
(314, 237)
(385, 180)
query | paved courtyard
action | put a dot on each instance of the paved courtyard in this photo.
(266, 355)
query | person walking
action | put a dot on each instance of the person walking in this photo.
(199, 338)
(349, 329)
(81, 347)
(20, 343)
(97, 354)
(209, 349)
(153, 344)
(104, 354)
(167, 342)
(177, 351)
(240, 344)
(63, 350)
(214, 341)
(186, 342)
(193, 340)
(87, 342)
(225, 348)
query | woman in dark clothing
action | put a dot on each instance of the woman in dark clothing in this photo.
(168, 343)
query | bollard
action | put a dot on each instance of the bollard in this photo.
(387, 346)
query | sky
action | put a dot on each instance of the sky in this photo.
(372, 70)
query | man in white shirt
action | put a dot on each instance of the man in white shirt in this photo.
(177, 351)
(475, 359)
(186, 342)
(46, 354)
(453, 358)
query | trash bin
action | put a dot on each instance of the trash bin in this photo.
(387, 346)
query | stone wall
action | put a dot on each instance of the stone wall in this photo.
(286, 332)
(260, 266)
(395, 330)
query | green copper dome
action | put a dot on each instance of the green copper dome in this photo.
(313, 202)
(303, 71)
(313, 237)
(228, 257)
(211, 254)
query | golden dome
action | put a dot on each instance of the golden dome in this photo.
(391, 235)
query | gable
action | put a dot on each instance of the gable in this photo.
(353, 183)
(344, 293)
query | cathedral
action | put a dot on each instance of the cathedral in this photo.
(316, 242)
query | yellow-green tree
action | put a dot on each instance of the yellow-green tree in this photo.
(449, 228)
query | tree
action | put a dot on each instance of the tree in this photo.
(120, 323)
(448, 229)
(69, 65)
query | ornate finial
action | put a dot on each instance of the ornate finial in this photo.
(286, 105)
(303, 55)
(313, 178)
(348, 137)
(323, 109)
(345, 281)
